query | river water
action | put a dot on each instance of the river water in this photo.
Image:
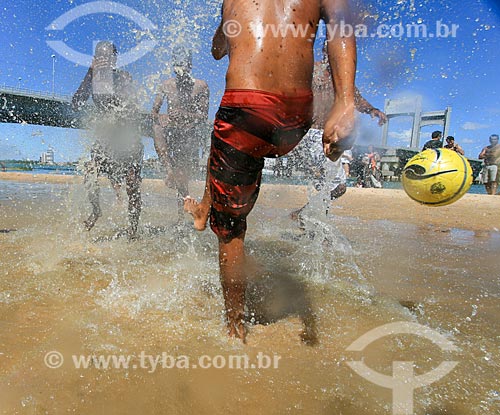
(97, 295)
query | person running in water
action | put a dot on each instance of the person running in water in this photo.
(117, 151)
(266, 109)
(328, 179)
(179, 135)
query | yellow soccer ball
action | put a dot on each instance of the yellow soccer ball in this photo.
(437, 177)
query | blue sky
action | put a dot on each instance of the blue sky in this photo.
(461, 72)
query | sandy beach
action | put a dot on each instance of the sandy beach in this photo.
(379, 258)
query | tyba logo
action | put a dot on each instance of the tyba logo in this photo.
(403, 380)
(95, 7)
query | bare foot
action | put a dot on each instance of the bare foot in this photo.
(237, 329)
(132, 234)
(198, 211)
(90, 222)
(295, 215)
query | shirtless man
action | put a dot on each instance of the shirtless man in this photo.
(265, 111)
(451, 145)
(179, 134)
(309, 150)
(491, 156)
(324, 95)
(117, 151)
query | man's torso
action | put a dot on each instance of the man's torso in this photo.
(492, 155)
(186, 99)
(277, 60)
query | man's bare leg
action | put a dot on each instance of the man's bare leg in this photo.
(494, 187)
(181, 183)
(233, 280)
(160, 144)
(487, 186)
(295, 215)
(346, 167)
(90, 181)
(117, 188)
(200, 210)
(134, 200)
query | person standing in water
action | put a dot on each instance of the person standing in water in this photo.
(117, 151)
(328, 179)
(266, 109)
(324, 95)
(491, 169)
(179, 135)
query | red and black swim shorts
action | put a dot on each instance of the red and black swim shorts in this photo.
(249, 126)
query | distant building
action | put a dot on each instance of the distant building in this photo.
(47, 157)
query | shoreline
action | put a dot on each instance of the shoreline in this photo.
(472, 212)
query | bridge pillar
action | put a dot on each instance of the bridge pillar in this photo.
(412, 107)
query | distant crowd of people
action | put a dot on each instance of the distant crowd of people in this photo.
(437, 142)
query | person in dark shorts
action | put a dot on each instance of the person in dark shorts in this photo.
(371, 174)
(249, 126)
(266, 109)
(183, 131)
(117, 151)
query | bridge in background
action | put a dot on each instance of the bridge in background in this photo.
(394, 158)
(23, 106)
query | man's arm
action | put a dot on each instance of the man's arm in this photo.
(202, 103)
(159, 141)
(342, 56)
(363, 106)
(82, 94)
(219, 41)
(459, 149)
(157, 104)
(482, 154)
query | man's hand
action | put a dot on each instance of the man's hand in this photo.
(337, 134)
(382, 118)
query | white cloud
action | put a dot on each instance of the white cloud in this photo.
(403, 135)
(473, 126)
(467, 141)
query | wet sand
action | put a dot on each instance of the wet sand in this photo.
(79, 293)
(472, 212)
